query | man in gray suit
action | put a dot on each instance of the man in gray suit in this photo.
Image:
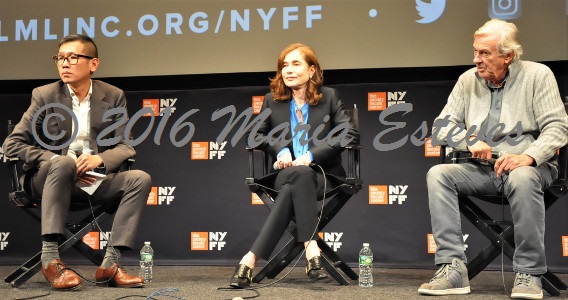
(501, 97)
(67, 154)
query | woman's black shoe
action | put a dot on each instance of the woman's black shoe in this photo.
(314, 269)
(242, 277)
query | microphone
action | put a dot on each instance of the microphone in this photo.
(275, 165)
(77, 148)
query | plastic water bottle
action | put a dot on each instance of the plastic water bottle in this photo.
(146, 262)
(365, 266)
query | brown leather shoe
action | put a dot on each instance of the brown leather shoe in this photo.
(60, 277)
(115, 276)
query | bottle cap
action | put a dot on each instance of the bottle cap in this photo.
(146, 243)
(365, 244)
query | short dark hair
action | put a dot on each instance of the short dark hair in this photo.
(85, 40)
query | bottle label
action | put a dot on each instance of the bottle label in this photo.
(365, 260)
(146, 256)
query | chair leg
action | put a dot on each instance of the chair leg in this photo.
(71, 239)
(502, 240)
(279, 261)
(329, 263)
(292, 248)
(75, 239)
(552, 284)
(25, 271)
(336, 262)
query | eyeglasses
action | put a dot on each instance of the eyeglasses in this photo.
(72, 59)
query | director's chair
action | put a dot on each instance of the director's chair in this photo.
(500, 233)
(343, 189)
(73, 233)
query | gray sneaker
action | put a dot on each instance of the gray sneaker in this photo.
(527, 286)
(450, 279)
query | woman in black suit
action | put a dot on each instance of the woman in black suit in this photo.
(297, 98)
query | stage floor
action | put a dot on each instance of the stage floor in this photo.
(199, 282)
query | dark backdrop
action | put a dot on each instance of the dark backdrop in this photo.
(205, 201)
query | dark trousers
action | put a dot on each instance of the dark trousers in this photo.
(54, 183)
(299, 188)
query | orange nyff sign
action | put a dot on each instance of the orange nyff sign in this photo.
(199, 241)
(153, 196)
(154, 104)
(199, 150)
(378, 194)
(257, 104)
(377, 101)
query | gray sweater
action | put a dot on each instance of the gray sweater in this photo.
(531, 102)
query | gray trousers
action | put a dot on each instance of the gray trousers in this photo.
(524, 188)
(54, 183)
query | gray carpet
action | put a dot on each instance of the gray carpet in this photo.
(199, 282)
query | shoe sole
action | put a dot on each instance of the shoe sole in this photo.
(106, 283)
(526, 296)
(71, 289)
(322, 276)
(237, 286)
(456, 291)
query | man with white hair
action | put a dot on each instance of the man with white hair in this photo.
(502, 97)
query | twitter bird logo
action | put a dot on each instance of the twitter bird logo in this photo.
(430, 12)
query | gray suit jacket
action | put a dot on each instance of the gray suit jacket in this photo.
(55, 130)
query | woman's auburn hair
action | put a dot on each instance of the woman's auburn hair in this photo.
(280, 92)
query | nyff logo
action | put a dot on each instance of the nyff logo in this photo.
(207, 150)
(431, 151)
(255, 199)
(4, 240)
(378, 101)
(257, 104)
(332, 239)
(97, 240)
(158, 105)
(207, 241)
(161, 195)
(387, 194)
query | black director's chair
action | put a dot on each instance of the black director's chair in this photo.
(500, 233)
(343, 190)
(73, 234)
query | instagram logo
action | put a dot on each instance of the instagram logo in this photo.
(504, 9)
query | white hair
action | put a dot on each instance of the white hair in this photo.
(508, 36)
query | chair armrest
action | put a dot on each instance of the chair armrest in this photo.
(563, 163)
(12, 165)
(251, 158)
(353, 164)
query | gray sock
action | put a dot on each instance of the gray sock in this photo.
(49, 252)
(112, 256)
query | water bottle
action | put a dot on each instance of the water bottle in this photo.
(365, 266)
(146, 262)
